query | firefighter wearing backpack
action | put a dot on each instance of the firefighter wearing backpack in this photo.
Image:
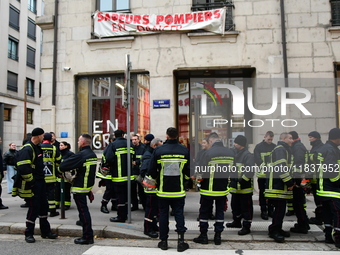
(30, 184)
(52, 159)
(279, 185)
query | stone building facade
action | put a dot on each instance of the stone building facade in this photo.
(20, 46)
(176, 74)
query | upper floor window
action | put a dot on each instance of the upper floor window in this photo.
(29, 116)
(203, 5)
(335, 6)
(12, 81)
(113, 5)
(29, 87)
(31, 29)
(13, 48)
(7, 114)
(14, 14)
(32, 5)
(30, 57)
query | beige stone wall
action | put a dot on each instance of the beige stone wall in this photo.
(311, 53)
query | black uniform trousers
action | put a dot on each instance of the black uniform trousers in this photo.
(177, 206)
(84, 214)
(121, 193)
(299, 201)
(242, 207)
(278, 215)
(37, 207)
(151, 212)
(331, 217)
(50, 189)
(137, 190)
(109, 193)
(67, 193)
(264, 205)
(318, 204)
(205, 212)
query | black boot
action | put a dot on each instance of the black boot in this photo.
(202, 239)
(103, 208)
(217, 238)
(163, 245)
(181, 245)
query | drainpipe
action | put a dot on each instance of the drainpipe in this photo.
(55, 55)
(284, 42)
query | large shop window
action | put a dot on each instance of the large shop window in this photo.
(203, 5)
(100, 110)
(205, 105)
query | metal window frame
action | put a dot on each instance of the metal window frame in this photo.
(28, 62)
(32, 7)
(11, 54)
(30, 87)
(12, 87)
(114, 3)
(9, 115)
(12, 24)
(31, 35)
(31, 112)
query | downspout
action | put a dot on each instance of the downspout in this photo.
(284, 42)
(54, 75)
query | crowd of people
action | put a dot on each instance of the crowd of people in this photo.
(159, 176)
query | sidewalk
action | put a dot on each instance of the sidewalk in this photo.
(12, 221)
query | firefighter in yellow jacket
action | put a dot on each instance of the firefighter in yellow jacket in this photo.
(30, 184)
(279, 185)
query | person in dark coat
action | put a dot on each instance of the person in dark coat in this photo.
(1, 176)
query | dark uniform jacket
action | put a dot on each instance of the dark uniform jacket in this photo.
(216, 167)
(139, 151)
(115, 156)
(261, 154)
(145, 166)
(278, 173)
(146, 160)
(52, 159)
(85, 162)
(313, 159)
(300, 158)
(243, 182)
(328, 185)
(29, 169)
(169, 166)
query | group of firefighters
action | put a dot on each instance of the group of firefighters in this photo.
(160, 173)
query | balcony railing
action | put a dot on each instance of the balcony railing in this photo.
(229, 23)
(335, 9)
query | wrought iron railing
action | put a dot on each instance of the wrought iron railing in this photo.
(229, 22)
(335, 9)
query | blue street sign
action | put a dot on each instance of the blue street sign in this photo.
(161, 103)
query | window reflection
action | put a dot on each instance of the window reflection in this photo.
(101, 86)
